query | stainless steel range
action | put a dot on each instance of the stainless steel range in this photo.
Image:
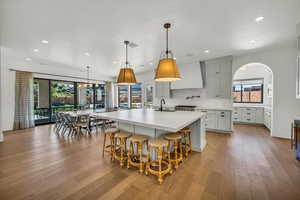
(185, 108)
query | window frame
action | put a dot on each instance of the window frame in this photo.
(241, 91)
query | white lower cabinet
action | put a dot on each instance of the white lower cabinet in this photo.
(218, 120)
(252, 115)
(268, 118)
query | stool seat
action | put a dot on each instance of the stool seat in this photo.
(123, 135)
(185, 130)
(172, 136)
(111, 130)
(158, 142)
(138, 138)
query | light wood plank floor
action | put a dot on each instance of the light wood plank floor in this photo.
(248, 164)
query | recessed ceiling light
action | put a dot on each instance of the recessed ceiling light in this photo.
(115, 62)
(206, 51)
(252, 41)
(28, 59)
(259, 19)
(45, 41)
(36, 50)
(87, 53)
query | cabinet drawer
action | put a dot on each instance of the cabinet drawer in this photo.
(249, 119)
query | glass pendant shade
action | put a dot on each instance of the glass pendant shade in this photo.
(167, 70)
(126, 77)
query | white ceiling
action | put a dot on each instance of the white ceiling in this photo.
(99, 27)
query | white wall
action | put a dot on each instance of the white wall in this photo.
(283, 64)
(11, 59)
(1, 134)
(254, 71)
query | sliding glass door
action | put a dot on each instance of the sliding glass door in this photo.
(85, 96)
(136, 96)
(100, 91)
(42, 113)
(51, 96)
(123, 94)
(62, 97)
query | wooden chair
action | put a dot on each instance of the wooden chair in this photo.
(83, 122)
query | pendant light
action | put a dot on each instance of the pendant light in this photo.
(167, 69)
(126, 74)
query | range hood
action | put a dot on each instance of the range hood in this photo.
(191, 76)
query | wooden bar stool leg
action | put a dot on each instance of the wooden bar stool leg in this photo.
(176, 153)
(180, 150)
(129, 154)
(104, 144)
(122, 146)
(190, 143)
(159, 157)
(148, 162)
(140, 147)
(112, 147)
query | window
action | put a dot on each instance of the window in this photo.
(85, 96)
(62, 96)
(123, 95)
(136, 96)
(51, 96)
(248, 91)
(100, 91)
(148, 95)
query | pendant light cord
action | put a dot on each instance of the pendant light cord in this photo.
(126, 63)
(167, 42)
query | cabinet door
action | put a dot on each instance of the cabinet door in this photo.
(225, 77)
(219, 78)
(259, 115)
(224, 121)
(211, 120)
(213, 82)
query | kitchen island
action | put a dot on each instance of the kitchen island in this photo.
(154, 123)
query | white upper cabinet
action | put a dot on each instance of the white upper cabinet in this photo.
(191, 76)
(219, 77)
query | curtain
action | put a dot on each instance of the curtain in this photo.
(109, 97)
(24, 116)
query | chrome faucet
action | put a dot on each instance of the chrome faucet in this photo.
(162, 101)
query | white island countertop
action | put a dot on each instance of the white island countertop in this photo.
(168, 121)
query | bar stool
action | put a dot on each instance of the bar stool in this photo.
(120, 147)
(109, 132)
(174, 139)
(136, 160)
(187, 142)
(160, 166)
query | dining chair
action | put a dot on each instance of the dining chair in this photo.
(83, 122)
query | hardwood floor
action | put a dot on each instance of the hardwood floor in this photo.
(248, 164)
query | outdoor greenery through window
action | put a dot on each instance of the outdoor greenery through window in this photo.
(136, 96)
(51, 96)
(248, 91)
(130, 96)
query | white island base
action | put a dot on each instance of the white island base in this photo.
(155, 124)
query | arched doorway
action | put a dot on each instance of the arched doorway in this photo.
(253, 95)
